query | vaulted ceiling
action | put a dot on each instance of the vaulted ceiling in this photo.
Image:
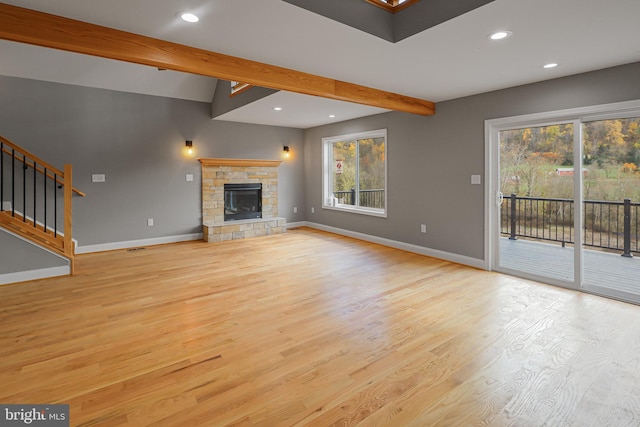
(449, 60)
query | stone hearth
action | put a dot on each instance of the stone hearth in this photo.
(216, 173)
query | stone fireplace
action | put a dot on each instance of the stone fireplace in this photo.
(238, 173)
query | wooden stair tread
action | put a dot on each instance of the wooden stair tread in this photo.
(26, 229)
(30, 230)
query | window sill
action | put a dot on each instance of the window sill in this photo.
(381, 213)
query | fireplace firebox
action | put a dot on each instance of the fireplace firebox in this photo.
(242, 201)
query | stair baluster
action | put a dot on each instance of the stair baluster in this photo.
(26, 223)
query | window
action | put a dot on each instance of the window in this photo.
(355, 173)
(564, 184)
(239, 87)
(392, 5)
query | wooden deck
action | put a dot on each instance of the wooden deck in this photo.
(603, 272)
(308, 328)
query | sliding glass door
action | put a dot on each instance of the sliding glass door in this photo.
(566, 198)
(537, 201)
(611, 192)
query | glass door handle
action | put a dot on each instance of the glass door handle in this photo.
(499, 198)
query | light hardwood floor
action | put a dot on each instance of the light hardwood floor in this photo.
(310, 328)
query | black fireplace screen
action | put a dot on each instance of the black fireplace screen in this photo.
(242, 201)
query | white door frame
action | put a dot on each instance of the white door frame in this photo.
(492, 147)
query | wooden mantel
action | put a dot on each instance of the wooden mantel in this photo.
(240, 162)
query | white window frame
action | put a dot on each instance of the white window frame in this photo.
(327, 170)
(577, 116)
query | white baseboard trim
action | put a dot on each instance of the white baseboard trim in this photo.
(296, 224)
(137, 243)
(43, 273)
(434, 253)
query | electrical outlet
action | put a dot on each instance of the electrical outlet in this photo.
(423, 228)
(313, 210)
(189, 177)
(150, 222)
(98, 177)
(295, 209)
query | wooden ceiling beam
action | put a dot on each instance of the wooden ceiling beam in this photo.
(42, 29)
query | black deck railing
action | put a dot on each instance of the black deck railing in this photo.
(368, 198)
(613, 226)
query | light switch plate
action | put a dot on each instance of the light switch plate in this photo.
(476, 179)
(98, 177)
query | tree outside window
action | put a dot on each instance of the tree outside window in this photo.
(355, 172)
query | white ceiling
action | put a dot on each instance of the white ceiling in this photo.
(298, 111)
(448, 61)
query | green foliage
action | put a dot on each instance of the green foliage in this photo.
(371, 159)
(532, 158)
(371, 164)
(345, 151)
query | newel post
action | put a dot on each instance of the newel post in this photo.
(68, 214)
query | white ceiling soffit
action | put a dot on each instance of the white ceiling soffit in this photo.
(451, 60)
(297, 111)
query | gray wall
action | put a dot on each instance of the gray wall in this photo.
(426, 14)
(223, 103)
(431, 159)
(392, 27)
(355, 13)
(19, 255)
(138, 142)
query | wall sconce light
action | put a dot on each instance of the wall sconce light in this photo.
(189, 145)
(286, 150)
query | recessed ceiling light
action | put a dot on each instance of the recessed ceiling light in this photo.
(550, 65)
(499, 35)
(277, 108)
(332, 115)
(189, 17)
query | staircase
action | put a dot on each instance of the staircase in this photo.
(36, 200)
